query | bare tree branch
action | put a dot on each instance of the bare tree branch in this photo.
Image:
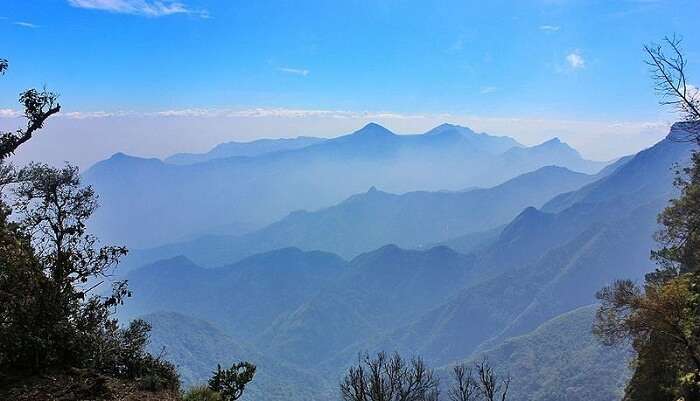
(668, 68)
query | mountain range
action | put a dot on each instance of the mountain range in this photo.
(523, 294)
(369, 220)
(247, 149)
(149, 202)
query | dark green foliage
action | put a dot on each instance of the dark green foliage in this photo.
(662, 319)
(50, 266)
(51, 316)
(38, 107)
(231, 382)
(680, 235)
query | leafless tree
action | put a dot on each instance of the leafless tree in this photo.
(464, 387)
(491, 387)
(668, 68)
(384, 378)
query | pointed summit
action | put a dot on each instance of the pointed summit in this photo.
(373, 130)
(556, 144)
(553, 141)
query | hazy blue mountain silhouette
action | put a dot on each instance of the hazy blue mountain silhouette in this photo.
(250, 149)
(147, 202)
(369, 220)
(509, 297)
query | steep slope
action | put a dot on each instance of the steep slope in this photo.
(448, 306)
(552, 262)
(249, 149)
(644, 174)
(561, 360)
(367, 221)
(146, 202)
(196, 347)
(382, 290)
(244, 298)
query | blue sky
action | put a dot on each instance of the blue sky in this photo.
(540, 60)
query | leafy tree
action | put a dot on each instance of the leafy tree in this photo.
(50, 266)
(38, 107)
(230, 383)
(662, 319)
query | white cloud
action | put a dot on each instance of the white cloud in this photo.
(260, 112)
(575, 60)
(25, 24)
(488, 89)
(692, 91)
(294, 71)
(549, 28)
(9, 113)
(89, 136)
(149, 8)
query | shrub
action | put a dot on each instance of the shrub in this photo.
(231, 382)
(201, 393)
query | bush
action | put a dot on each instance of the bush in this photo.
(201, 393)
(231, 382)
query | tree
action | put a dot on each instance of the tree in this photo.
(38, 107)
(392, 378)
(50, 317)
(668, 67)
(464, 387)
(491, 387)
(230, 383)
(662, 319)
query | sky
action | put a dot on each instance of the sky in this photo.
(152, 78)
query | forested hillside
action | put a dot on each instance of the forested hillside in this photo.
(446, 306)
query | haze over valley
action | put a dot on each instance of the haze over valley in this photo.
(349, 201)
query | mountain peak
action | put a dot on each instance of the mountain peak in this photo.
(450, 128)
(553, 141)
(373, 129)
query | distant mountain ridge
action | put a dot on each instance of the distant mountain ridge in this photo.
(369, 220)
(247, 149)
(516, 294)
(257, 190)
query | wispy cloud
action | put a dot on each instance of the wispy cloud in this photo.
(549, 28)
(26, 24)
(225, 113)
(456, 46)
(576, 60)
(294, 71)
(488, 89)
(9, 113)
(149, 8)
